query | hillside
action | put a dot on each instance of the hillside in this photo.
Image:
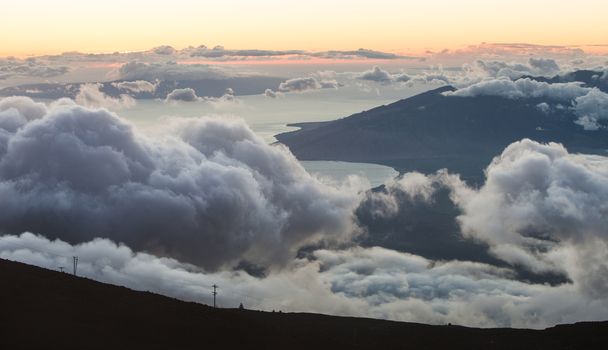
(431, 131)
(43, 308)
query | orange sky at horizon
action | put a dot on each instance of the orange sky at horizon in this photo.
(398, 26)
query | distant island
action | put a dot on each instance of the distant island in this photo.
(435, 130)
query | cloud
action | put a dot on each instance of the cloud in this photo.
(136, 86)
(541, 208)
(211, 192)
(522, 88)
(306, 84)
(591, 109)
(368, 282)
(535, 66)
(164, 50)
(544, 65)
(90, 95)
(271, 93)
(31, 67)
(185, 95)
(589, 104)
(544, 208)
(377, 74)
(189, 95)
(220, 52)
(362, 53)
(136, 70)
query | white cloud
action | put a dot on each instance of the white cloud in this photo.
(184, 95)
(306, 84)
(376, 74)
(591, 108)
(543, 208)
(90, 95)
(522, 88)
(271, 93)
(136, 86)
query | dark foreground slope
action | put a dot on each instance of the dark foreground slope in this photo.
(432, 131)
(46, 309)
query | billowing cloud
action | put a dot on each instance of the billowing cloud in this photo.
(589, 104)
(544, 65)
(376, 74)
(379, 75)
(90, 95)
(189, 95)
(136, 86)
(514, 70)
(271, 93)
(164, 50)
(591, 108)
(306, 84)
(539, 206)
(522, 88)
(185, 95)
(211, 192)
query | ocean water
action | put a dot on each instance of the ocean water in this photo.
(339, 171)
(268, 117)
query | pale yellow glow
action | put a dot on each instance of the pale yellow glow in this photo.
(39, 27)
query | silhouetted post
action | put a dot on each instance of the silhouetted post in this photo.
(61, 268)
(214, 293)
(75, 264)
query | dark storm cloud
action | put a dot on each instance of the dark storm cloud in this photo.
(213, 194)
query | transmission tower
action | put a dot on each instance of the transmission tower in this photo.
(75, 260)
(214, 293)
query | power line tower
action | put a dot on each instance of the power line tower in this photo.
(75, 261)
(214, 293)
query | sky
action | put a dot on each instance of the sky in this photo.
(50, 27)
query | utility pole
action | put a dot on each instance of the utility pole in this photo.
(75, 260)
(214, 293)
(61, 268)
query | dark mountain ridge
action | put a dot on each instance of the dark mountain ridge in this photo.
(43, 308)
